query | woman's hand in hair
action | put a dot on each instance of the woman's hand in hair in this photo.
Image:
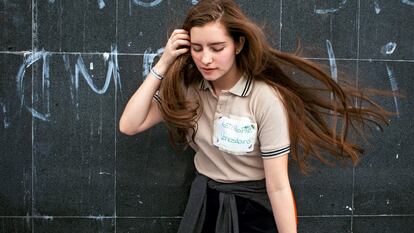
(178, 43)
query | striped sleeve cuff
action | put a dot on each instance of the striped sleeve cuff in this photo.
(275, 153)
(157, 97)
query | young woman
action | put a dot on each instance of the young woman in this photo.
(226, 92)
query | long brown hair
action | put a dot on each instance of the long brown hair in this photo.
(320, 115)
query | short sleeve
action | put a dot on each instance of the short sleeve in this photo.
(273, 127)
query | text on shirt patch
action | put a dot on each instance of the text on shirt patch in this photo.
(234, 135)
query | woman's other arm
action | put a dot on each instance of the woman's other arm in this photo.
(280, 193)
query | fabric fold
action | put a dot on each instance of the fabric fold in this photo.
(227, 219)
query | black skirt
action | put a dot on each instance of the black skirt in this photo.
(253, 217)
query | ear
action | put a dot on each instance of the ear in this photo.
(240, 44)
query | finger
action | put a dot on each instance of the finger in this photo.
(181, 51)
(181, 36)
(179, 31)
(179, 43)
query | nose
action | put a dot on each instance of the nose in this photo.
(206, 58)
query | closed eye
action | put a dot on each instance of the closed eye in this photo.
(217, 49)
(196, 48)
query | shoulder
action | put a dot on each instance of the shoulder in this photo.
(264, 94)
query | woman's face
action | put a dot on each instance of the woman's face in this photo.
(213, 51)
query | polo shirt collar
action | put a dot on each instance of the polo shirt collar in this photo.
(242, 88)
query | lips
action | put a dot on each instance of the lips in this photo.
(207, 70)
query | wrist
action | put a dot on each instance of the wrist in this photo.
(156, 74)
(160, 68)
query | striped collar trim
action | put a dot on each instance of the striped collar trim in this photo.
(242, 88)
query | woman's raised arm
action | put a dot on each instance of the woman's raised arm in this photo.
(141, 111)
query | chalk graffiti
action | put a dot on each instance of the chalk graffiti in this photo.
(332, 61)
(322, 11)
(80, 68)
(3, 111)
(377, 7)
(147, 4)
(32, 58)
(408, 2)
(42, 110)
(389, 48)
(149, 57)
(101, 4)
(394, 87)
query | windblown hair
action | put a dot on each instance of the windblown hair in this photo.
(320, 115)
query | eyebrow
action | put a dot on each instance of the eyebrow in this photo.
(210, 44)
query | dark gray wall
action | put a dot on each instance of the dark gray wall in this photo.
(68, 68)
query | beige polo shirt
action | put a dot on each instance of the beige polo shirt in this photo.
(238, 129)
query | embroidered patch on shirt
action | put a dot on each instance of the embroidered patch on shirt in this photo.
(234, 135)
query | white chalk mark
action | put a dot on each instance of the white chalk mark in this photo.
(80, 68)
(332, 64)
(348, 207)
(377, 7)
(101, 4)
(32, 58)
(99, 218)
(50, 218)
(194, 2)
(149, 57)
(106, 56)
(408, 2)
(396, 156)
(322, 11)
(393, 81)
(147, 4)
(389, 48)
(3, 111)
(113, 71)
(332, 61)
(104, 173)
(394, 87)
(91, 66)
(73, 95)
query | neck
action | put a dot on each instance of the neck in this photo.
(227, 82)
